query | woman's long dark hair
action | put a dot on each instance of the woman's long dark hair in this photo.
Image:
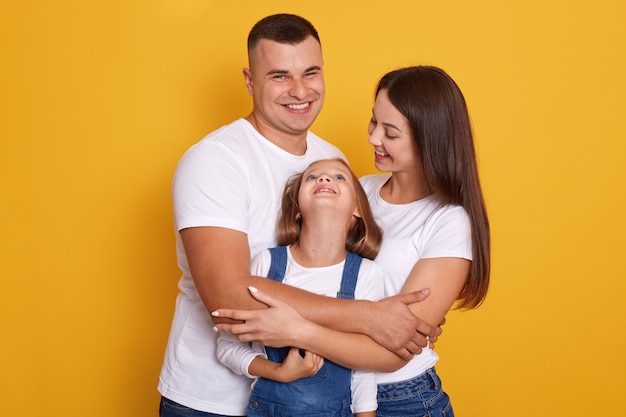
(437, 114)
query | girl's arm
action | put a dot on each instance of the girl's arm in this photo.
(251, 361)
(293, 367)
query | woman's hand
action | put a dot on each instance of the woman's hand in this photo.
(277, 326)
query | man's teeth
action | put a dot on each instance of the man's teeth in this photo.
(298, 106)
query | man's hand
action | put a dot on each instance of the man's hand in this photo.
(395, 327)
(438, 332)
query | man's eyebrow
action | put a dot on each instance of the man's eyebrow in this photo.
(283, 72)
(313, 68)
(277, 72)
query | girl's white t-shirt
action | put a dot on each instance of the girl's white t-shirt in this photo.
(323, 281)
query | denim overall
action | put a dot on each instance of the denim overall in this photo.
(327, 393)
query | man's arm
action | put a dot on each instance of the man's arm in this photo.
(219, 261)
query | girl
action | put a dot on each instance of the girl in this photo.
(328, 239)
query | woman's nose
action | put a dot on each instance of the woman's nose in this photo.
(374, 139)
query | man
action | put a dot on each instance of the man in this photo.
(226, 193)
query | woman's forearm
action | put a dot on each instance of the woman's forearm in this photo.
(352, 350)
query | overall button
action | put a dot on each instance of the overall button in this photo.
(254, 404)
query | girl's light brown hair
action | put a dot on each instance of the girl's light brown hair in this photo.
(364, 237)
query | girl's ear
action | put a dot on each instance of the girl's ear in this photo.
(357, 212)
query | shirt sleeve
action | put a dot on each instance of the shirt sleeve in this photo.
(448, 234)
(210, 188)
(370, 284)
(364, 392)
(236, 355)
(232, 353)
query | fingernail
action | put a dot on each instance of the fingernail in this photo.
(253, 289)
(215, 329)
(215, 314)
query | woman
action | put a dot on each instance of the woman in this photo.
(431, 209)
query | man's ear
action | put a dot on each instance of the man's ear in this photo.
(247, 76)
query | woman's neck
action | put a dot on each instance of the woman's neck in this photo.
(404, 188)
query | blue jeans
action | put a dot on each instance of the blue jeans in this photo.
(418, 397)
(169, 408)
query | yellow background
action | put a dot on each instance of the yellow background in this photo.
(100, 99)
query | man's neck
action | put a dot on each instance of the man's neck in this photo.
(292, 143)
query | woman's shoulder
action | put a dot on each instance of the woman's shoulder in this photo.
(373, 181)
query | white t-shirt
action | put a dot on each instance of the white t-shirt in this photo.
(414, 231)
(233, 178)
(324, 281)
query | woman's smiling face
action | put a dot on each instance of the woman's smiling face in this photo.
(395, 149)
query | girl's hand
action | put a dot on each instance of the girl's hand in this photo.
(297, 365)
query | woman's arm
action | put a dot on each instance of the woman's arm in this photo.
(352, 350)
(445, 277)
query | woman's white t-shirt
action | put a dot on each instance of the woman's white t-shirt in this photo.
(414, 231)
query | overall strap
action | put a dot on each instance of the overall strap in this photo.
(278, 266)
(350, 275)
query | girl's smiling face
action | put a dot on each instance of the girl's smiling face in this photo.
(328, 184)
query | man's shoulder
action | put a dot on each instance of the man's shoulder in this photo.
(231, 133)
(320, 145)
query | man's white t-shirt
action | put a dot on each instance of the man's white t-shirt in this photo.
(233, 178)
(414, 231)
